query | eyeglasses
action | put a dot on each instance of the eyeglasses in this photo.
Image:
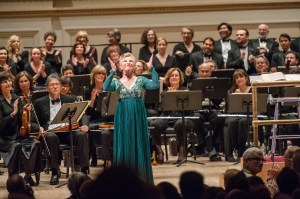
(54, 84)
(257, 159)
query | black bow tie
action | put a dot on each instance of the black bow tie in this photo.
(263, 40)
(243, 47)
(226, 40)
(55, 101)
(207, 55)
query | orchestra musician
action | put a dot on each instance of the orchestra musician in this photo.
(20, 152)
(66, 86)
(235, 129)
(97, 78)
(46, 109)
(174, 80)
(208, 142)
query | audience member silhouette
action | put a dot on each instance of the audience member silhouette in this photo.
(191, 185)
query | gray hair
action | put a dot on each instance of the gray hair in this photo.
(249, 152)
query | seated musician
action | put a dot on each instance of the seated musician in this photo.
(174, 79)
(67, 70)
(97, 78)
(204, 71)
(20, 152)
(46, 109)
(235, 129)
(66, 86)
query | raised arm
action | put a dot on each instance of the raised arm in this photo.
(109, 84)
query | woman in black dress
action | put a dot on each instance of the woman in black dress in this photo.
(5, 63)
(149, 40)
(20, 153)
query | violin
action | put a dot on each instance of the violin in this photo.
(64, 128)
(26, 120)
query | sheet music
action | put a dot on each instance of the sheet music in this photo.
(273, 77)
(292, 77)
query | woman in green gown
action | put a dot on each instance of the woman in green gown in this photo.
(131, 138)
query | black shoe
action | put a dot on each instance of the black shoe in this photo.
(37, 178)
(94, 161)
(215, 158)
(160, 158)
(180, 161)
(28, 179)
(54, 180)
(85, 170)
(230, 159)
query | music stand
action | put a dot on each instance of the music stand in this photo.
(112, 105)
(79, 84)
(182, 101)
(100, 99)
(291, 92)
(70, 113)
(212, 88)
(242, 103)
(38, 94)
(221, 73)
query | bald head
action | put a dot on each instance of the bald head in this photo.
(204, 70)
(263, 31)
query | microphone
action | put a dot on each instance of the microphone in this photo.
(287, 66)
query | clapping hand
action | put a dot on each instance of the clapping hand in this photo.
(150, 63)
(112, 64)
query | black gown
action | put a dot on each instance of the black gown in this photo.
(19, 154)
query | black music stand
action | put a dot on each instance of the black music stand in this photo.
(212, 88)
(70, 113)
(38, 94)
(79, 84)
(182, 101)
(100, 99)
(221, 73)
(242, 103)
(291, 92)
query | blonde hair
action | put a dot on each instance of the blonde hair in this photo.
(127, 55)
(10, 49)
(81, 33)
(161, 39)
(97, 69)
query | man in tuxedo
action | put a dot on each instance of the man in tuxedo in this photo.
(242, 57)
(207, 53)
(263, 45)
(114, 38)
(223, 45)
(279, 57)
(46, 109)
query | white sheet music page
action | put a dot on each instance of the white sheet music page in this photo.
(273, 77)
(292, 77)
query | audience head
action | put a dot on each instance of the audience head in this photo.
(263, 31)
(66, 85)
(187, 33)
(242, 36)
(141, 67)
(17, 188)
(253, 160)
(67, 70)
(3, 54)
(148, 37)
(261, 63)
(287, 180)
(120, 182)
(296, 160)
(81, 37)
(285, 41)
(174, 77)
(114, 53)
(214, 193)
(114, 36)
(204, 70)
(296, 194)
(225, 30)
(229, 173)
(86, 189)
(75, 181)
(288, 155)
(208, 45)
(191, 185)
(238, 194)
(168, 191)
(98, 74)
(23, 83)
(238, 181)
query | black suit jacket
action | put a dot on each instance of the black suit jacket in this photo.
(197, 58)
(271, 45)
(235, 62)
(42, 109)
(295, 45)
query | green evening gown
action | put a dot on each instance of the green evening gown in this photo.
(131, 138)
